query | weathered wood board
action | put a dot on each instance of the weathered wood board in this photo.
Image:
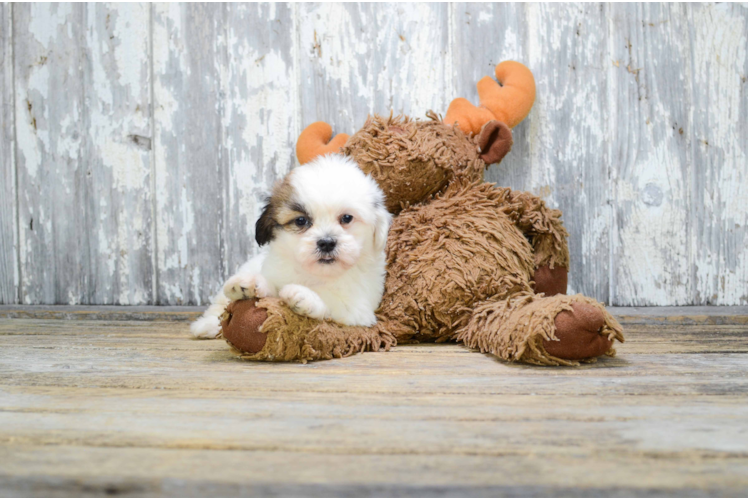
(718, 211)
(139, 409)
(143, 138)
(188, 57)
(82, 107)
(8, 216)
(260, 117)
(357, 59)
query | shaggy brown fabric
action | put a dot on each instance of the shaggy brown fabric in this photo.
(411, 159)
(291, 337)
(515, 327)
(449, 254)
(540, 224)
(550, 281)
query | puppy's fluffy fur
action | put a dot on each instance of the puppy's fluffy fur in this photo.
(322, 236)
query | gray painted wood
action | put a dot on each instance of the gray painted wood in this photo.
(52, 175)
(357, 59)
(147, 136)
(719, 144)
(568, 157)
(8, 216)
(260, 119)
(651, 161)
(188, 58)
(83, 127)
(118, 152)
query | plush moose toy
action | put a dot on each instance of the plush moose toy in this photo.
(466, 261)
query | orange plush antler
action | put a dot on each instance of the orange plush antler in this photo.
(315, 141)
(508, 101)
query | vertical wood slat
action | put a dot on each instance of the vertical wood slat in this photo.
(8, 216)
(568, 161)
(48, 102)
(357, 59)
(188, 57)
(719, 178)
(117, 152)
(81, 100)
(259, 120)
(225, 112)
(650, 158)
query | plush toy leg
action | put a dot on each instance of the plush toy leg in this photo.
(543, 227)
(267, 330)
(559, 330)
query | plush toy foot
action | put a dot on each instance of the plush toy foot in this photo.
(268, 330)
(241, 325)
(578, 333)
(551, 281)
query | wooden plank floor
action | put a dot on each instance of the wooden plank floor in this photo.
(105, 406)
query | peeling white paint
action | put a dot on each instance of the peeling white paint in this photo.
(638, 133)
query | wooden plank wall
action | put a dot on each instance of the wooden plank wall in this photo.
(138, 140)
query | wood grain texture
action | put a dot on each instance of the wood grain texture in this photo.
(568, 157)
(651, 256)
(357, 59)
(82, 102)
(49, 97)
(718, 212)
(259, 120)
(138, 408)
(8, 216)
(146, 136)
(118, 152)
(189, 51)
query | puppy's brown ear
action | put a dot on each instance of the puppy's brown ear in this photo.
(265, 226)
(494, 141)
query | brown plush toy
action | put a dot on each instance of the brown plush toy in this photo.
(466, 261)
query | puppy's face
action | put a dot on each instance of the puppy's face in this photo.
(326, 216)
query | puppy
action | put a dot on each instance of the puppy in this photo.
(322, 235)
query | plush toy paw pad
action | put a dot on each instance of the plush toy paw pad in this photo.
(241, 326)
(551, 281)
(578, 333)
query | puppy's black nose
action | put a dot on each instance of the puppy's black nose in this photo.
(326, 245)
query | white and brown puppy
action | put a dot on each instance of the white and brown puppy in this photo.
(322, 236)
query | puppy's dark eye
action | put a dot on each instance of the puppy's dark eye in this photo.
(346, 219)
(301, 221)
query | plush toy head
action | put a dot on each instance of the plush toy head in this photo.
(413, 160)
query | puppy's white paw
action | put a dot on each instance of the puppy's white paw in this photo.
(247, 286)
(303, 301)
(206, 327)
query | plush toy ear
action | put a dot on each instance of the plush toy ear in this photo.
(494, 141)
